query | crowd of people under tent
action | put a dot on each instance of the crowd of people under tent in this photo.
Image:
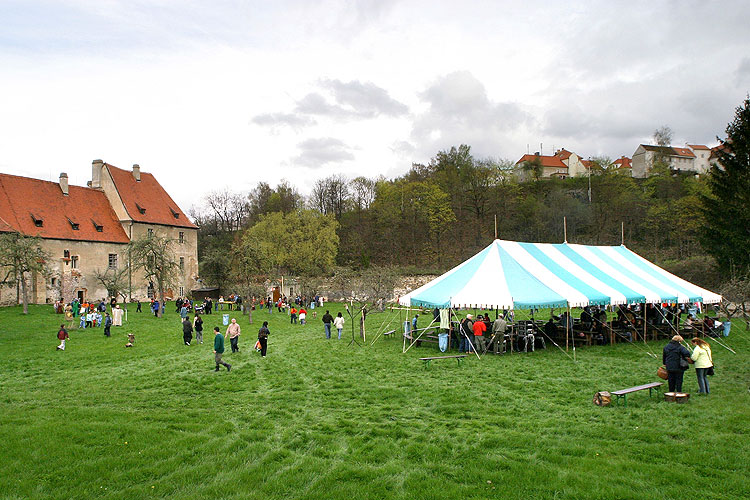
(595, 325)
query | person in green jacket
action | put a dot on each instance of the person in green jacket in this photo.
(219, 349)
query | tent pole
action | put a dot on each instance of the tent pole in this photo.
(567, 330)
(565, 228)
(645, 331)
(622, 241)
(611, 331)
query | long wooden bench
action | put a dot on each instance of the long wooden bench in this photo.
(458, 357)
(388, 334)
(623, 393)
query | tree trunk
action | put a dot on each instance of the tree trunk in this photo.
(163, 304)
(24, 294)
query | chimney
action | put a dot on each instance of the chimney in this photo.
(64, 183)
(96, 174)
(137, 172)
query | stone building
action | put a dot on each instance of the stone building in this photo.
(87, 229)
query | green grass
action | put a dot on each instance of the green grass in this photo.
(320, 419)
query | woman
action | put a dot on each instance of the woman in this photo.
(198, 325)
(338, 322)
(702, 358)
(673, 355)
(263, 338)
(187, 331)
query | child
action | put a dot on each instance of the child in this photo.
(82, 324)
(107, 324)
(62, 335)
(302, 316)
(98, 319)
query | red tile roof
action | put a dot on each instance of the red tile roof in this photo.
(563, 154)
(146, 201)
(698, 146)
(683, 152)
(22, 199)
(623, 162)
(547, 161)
(668, 150)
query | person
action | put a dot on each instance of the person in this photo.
(219, 349)
(327, 320)
(673, 355)
(209, 305)
(498, 331)
(62, 336)
(155, 307)
(117, 315)
(138, 308)
(233, 332)
(478, 329)
(198, 326)
(302, 315)
(339, 324)
(263, 338)
(183, 310)
(466, 334)
(187, 331)
(107, 324)
(703, 360)
(414, 324)
(293, 315)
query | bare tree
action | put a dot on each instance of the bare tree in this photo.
(663, 136)
(21, 255)
(114, 280)
(330, 195)
(154, 255)
(362, 192)
(229, 209)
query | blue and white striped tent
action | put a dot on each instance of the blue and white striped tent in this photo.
(515, 275)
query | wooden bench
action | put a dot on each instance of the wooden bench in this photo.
(623, 393)
(458, 358)
(388, 334)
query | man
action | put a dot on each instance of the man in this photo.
(479, 328)
(233, 332)
(62, 335)
(117, 315)
(466, 334)
(107, 324)
(327, 320)
(414, 324)
(187, 331)
(219, 349)
(498, 332)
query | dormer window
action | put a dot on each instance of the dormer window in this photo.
(99, 228)
(140, 209)
(38, 221)
(74, 225)
(175, 214)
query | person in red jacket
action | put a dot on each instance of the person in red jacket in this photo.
(479, 329)
(62, 335)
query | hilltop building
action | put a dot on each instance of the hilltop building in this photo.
(87, 229)
(692, 158)
(562, 164)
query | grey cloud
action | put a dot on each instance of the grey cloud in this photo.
(461, 112)
(353, 99)
(292, 120)
(743, 72)
(317, 152)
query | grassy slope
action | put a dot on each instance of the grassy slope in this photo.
(319, 419)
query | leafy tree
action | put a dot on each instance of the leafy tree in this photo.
(532, 168)
(727, 207)
(298, 243)
(155, 256)
(21, 255)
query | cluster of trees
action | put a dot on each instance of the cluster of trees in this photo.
(439, 213)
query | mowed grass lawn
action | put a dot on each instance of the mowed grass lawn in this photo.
(320, 419)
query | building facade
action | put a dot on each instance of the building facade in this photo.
(86, 230)
(691, 158)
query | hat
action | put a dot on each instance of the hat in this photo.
(469, 316)
(678, 338)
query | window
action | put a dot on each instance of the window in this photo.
(182, 237)
(175, 213)
(66, 254)
(150, 232)
(113, 261)
(99, 228)
(74, 262)
(182, 291)
(38, 221)
(73, 224)
(140, 208)
(182, 264)
(53, 282)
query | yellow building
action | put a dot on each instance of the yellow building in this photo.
(87, 229)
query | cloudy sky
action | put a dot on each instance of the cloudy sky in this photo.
(208, 95)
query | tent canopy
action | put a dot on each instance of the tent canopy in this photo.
(516, 275)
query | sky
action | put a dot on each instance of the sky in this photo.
(221, 95)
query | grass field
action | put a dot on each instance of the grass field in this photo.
(320, 419)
